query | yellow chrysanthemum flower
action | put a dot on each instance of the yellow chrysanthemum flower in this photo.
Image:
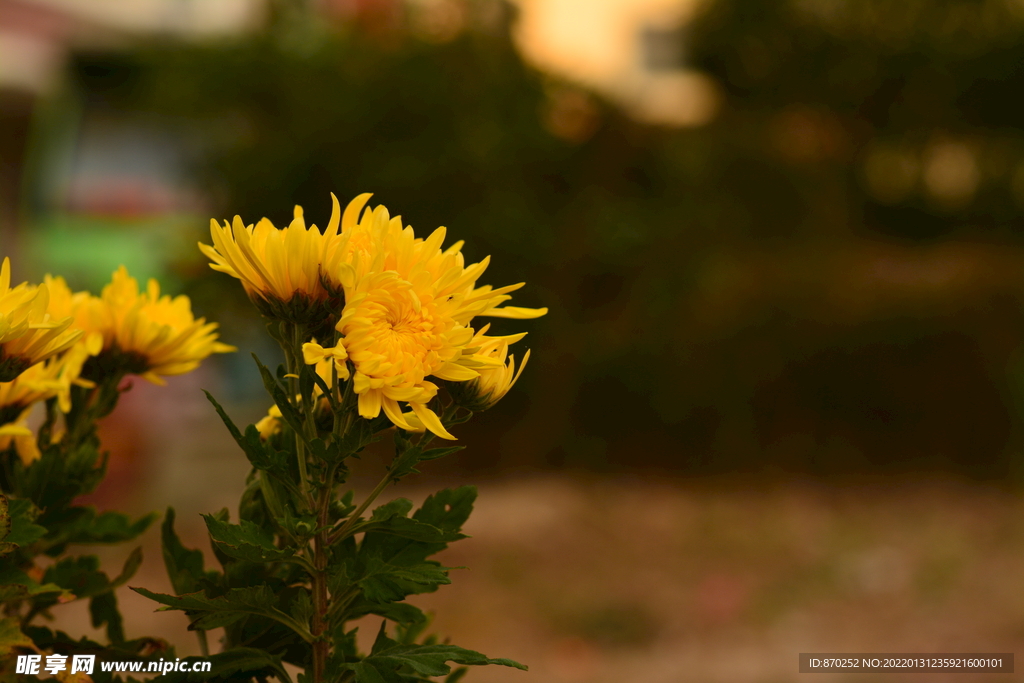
(81, 307)
(280, 269)
(29, 334)
(149, 334)
(378, 243)
(41, 382)
(494, 381)
(269, 424)
(408, 307)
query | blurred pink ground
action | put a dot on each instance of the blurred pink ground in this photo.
(602, 581)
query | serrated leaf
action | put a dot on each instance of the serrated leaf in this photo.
(388, 658)
(245, 541)
(385, 582)
(366, 672)
(260, 453)
(435, 453)
(17, 585)
(404, 527)
(431, 660)
(225, 418)
(399, 507)
(447, 509)
(11, 637)
(302, 607)
(391, 519)
(128, 569)
(103, 610)
(184, 566)
(405, 461)
(21, 529)
(398, 612)
(457, 675)
(288, 412)
(80, 575)
(108, 527)
(224, 610)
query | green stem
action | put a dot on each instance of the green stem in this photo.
(294, 368)
(318, 583)
(354, 517)
(204, 645)
(321, 603)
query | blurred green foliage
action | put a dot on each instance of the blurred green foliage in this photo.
(769, 291)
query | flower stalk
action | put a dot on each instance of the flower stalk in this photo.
(397, 314)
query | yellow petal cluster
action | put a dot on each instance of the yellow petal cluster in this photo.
(408, 308)
(280, 268)
(157, 335)
(494, 381)
(23, 440)
(29, 333)
(50, 379)
(42, 381)
(269, 424)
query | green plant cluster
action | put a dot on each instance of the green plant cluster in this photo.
(40, 528)
(303, 559)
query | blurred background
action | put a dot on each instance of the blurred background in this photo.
(778, 403)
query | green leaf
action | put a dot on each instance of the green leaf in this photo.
(457, 675)
(228, 422)
(11, 637)
(391, 518)
(366, 672)
(388, 658)
(382, 581)
(17, 528)
(261, 454)
(17, 585)
(302, 607)
(80, 575)
(405, 461)
(131, 565)
(399, 612)
(430, 660)
(435, 453)
(399, 507)
(103, 610)
(108, 527)
(408, 456)
(448, 509)
(229, 608)
(245, 541)
(184, 566)
(405, 527)
(288, 412)
(60, 475)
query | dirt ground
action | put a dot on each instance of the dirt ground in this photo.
(643, 580)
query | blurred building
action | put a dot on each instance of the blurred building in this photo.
(104, 169)
(630, 50)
